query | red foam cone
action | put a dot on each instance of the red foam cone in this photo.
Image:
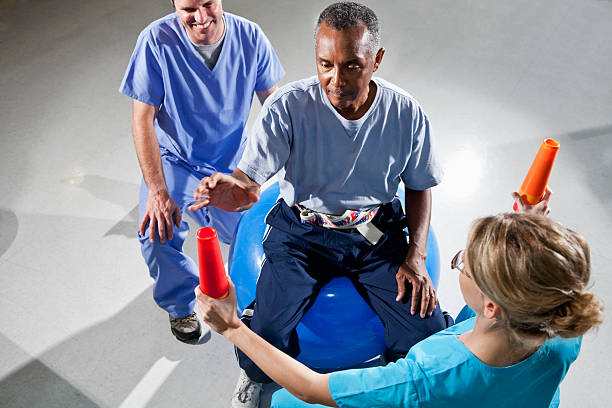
(534, 186)
(213, 280)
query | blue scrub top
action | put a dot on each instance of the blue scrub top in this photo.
(441, 372)
(202, 112)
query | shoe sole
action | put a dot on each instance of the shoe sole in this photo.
(187, 338)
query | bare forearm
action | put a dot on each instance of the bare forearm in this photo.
(147, 146)
(227, 192)
(149, 157)
(263, 95)
(418, 216)
(241, 176)
(289, 373)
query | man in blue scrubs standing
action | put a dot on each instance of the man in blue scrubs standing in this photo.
(192, 77)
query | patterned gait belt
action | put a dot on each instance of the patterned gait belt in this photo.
(358, 219)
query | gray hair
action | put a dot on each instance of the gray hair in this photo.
(347, 14)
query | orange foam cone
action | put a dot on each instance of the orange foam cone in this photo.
(213, 280)
(534, 186)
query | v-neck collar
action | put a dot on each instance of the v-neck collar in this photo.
(195, 53)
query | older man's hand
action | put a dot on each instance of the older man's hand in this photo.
(413, 271)
(225, 192)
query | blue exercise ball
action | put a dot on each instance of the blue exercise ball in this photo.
(340, 330)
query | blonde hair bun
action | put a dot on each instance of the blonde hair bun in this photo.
(577, 316)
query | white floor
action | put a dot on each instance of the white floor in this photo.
(79, 327)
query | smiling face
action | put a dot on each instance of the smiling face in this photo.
(202, 19)
(345, 64)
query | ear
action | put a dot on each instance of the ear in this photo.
(378, 59)
(490, 309)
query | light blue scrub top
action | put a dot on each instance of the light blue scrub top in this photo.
(203, 112)
(330, 164)
(441, 372)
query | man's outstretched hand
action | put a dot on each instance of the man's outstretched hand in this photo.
(224, 192)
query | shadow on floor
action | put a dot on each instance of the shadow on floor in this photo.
(127, 226)
(130, 357)
(35, 385)
(10, 225)
(113, 191)
(592, 151)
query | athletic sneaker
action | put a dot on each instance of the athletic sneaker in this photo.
(186, 329)
(246, 394)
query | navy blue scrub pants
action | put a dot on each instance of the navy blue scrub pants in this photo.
(301, 258)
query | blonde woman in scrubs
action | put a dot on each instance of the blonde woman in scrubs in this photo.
(526, 279)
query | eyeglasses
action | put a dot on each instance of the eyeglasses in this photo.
(457, 263)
